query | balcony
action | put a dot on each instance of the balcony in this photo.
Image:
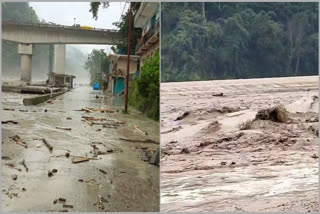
(149, 38)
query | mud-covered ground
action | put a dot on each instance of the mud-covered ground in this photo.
(212, 160)
(121, 180)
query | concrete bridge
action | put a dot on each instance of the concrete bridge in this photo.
(27, 34)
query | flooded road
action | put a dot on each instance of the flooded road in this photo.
(216, 157)
(117, 180)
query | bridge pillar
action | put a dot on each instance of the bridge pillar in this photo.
(59, 59)
(25, 51)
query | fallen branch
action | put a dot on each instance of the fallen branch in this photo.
(9, 121)
(143, 132)
(47, 144)
(79, 159)
(139, 141)
(67, 129)
(24, 164)
(16, 139)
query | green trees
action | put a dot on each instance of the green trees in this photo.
(97, 64)
(144, 91)
(238, 40)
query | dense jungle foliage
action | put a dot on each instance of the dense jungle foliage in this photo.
(214, 40)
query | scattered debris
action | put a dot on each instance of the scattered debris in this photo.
(9, 121)
(5, 158)
(63, 128)
(182, 116)
(24, 164)
(14, 177)
(50, 102)
(104, 172)
(55, 201)
(79, 159)
(16, 138)
(67, 154)
(50, 174)
(218, 95)
(62, 200)
(63, 210)
(140, 130)
(24, 189)
(223, 163)
(275, 114)
(67, 206)
(45, 110)
(98, 130)
(21, 110)
(54, 171)
(315, 156)
(47, 144)
(139, 141)
(8, 109)
(69, 118)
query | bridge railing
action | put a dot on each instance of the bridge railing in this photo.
(10, 22)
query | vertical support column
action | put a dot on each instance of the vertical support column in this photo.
(59, 59)
(25, 51)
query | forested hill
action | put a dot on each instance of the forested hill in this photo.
(212, 40)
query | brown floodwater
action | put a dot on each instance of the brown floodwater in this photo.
(210, 163)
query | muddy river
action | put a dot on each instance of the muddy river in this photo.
(217, 157)
(117, 180)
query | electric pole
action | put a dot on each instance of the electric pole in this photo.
(128, 62)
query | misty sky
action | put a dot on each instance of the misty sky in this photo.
(64, 13)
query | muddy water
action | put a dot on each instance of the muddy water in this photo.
(210, 164)
(130, 184)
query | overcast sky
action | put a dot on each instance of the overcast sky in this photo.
(64, 13)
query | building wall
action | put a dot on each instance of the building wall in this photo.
(122, 64)
(149, 53)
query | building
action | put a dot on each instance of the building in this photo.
(147, 18)
(61, 80)
(118, 70)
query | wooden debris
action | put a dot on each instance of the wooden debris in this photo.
(16, 139)
(67, 154)
(139, 141)
(140, 130)
(47, 144)
(5, 158)
(8, 109)
(62, 200)
(69, 118)
(63, 210)
(98, 130)
(54, 171)
(86, 110)
(104, 172)
(63, 128)
(67, 206)
(94, 118)
(14, 177)
(50, 102)
(79, 159)
(21, 110)
(218, 95)
(96, 143)
(24, 164)
(9, 121)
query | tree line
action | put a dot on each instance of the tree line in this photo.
(215, 40)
